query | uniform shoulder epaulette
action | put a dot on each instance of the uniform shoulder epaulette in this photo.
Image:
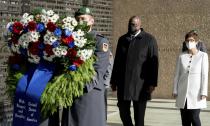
(100, 35)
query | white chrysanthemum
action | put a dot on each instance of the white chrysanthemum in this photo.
(24, 21)
(24, 44)
(69, 19)
(44, 19)
(24, 41)
(47, 57)
(50, 12)
(25, 15)
(34, 59)
(54, 18)
(60, 51)
(68, 26)
(9, 24)
(15, 48)
(30, 18)
(48, 37)
(57, 52)
(75, 36)
(85, 54)
(53, 38)
(80, 42)
(34, 36)
(74, 22)
(44, 12)
(80, 32)
(64, 52)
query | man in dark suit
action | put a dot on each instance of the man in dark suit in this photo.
(89, 109)
(135, 71)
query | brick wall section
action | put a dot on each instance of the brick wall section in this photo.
(168, 21)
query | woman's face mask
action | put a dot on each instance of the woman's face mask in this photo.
(191, 43)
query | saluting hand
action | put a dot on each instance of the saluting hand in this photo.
(174, 95)
(203, 97)
(151, 89)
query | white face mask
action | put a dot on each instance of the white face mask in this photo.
(191, 45)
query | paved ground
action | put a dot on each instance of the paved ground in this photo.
(159, 112)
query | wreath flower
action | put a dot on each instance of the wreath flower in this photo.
(44, 36)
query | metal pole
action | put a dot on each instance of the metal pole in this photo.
(60, 115)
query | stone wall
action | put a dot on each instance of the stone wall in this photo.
(168, 21)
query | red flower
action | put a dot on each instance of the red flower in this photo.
(16, 59)
(78, 62)
(48, 49)
(31, 26)
(67, 40)
(14, 39)
(72, 53)
(17, 27)
(51, 26)
(34, 48)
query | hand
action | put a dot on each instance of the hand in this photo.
(151, 89)
(174, 95)
(114, 87)
(203, 97)
(114, 93)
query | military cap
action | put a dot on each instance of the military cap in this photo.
(82, 11)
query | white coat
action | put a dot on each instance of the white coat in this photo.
(191, 80)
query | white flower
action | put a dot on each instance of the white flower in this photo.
(54, 18)
(53, 38)
(46, 37)
(34, 59)
(25, 44)
(63, 52)
(57, 53)
(30, 18)
(34, 36)
(25, 15)
(80, 32)
(68, 26)
(24, 21)
(60, 51)
(50, 12)
(74, 22)
(15, 48)
(44, 19)
(24, 41)
(79, 41)
(85, 54)
(9, 24)
(47, 57)
(49, 38)
(44, 12)
(69, 19)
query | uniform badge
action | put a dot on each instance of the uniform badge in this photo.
(105, 47)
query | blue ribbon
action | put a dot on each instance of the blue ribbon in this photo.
(28, 93)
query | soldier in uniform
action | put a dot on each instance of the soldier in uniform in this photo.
(89, 109)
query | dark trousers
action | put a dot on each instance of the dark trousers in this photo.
(190, 116)
(139, 112)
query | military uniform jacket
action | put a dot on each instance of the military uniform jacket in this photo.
(89, 109)
(135, 66)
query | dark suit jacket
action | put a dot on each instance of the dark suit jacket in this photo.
(135, 66)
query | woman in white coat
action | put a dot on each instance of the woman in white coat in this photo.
(191, 81)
